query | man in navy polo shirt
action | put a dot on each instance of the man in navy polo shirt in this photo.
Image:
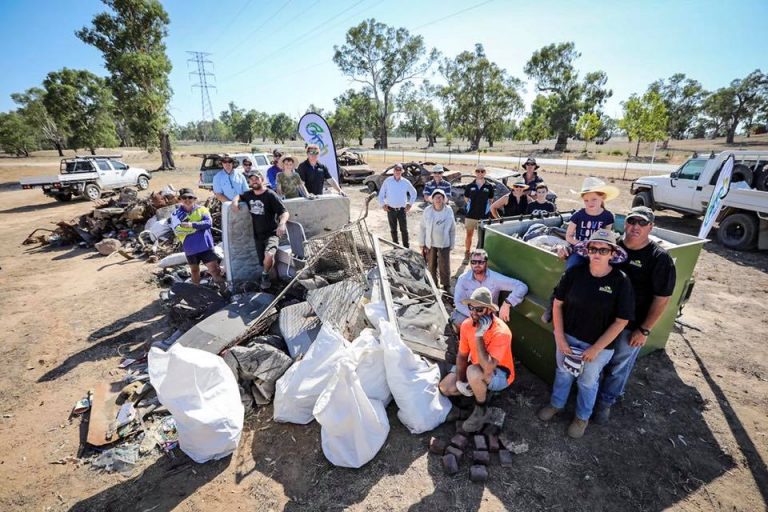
(314, 174)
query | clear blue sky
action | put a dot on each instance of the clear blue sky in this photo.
(276, 55)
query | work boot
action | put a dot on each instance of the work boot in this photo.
(602, 414)
(548, 412)
(477, 419)
(457, 413)
(577, 428)
(266, 282)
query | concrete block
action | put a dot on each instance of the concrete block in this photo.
(459, 441)
(478, 473)
(493, 444)
(505, 458)
(480, 443)
(450, 464)
(481, 457)
(437, 446)
(455, 452)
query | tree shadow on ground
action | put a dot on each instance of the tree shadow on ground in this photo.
(161, 486)
(33, 207)
(755, 259)
(656, 451)
(110, 337)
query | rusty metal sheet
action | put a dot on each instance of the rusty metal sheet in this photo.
(103, 414)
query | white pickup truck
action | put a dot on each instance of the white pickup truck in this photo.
(744, 217)
(90, 177)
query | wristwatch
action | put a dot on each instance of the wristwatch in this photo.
(643, 330)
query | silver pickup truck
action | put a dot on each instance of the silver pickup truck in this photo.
(90, 177)
(744, 216)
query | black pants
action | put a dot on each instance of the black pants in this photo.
(396, 216)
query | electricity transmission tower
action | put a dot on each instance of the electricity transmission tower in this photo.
(203, 77)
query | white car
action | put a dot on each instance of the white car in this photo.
(211, 165)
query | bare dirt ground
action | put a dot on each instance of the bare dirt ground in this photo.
(692, 433)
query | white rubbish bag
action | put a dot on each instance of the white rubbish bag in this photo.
(200, 391)
(353, 427)
(368, 355)
(414, 384)
(297, 390)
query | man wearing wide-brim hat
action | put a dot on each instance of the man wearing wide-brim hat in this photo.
(484, 360)
(229, 183)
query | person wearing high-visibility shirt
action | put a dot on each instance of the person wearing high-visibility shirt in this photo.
(192, 224)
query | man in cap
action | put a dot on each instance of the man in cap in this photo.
(315, 174)
(479, 275)
(478, 194)
(396, 198)
(192, 224)
(437, 237)
(275, 169)
(269, 217)
(228, 183)
(484, 360)
(437, 183)
(651, 271)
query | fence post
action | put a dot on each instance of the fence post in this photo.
(449, 155)
(402, 155)
(519, 157)
(626, 163)
(566, 164)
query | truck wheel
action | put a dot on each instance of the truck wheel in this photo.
(643, 199)
(762, 180)
(92, 191)
(738, 231)
(64, 197)
(742, 173)
(142, 182)
(372, 187)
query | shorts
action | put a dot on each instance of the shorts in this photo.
(498, 379)
(202, 257)
(265, 243)
(471, 223)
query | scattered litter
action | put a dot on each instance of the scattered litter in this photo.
(682, 439)
(121, 459)
(81, 406)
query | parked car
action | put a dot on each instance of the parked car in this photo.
(211, 165)
(687, 190)
(352, 167)
(89, 176)
(416, 172)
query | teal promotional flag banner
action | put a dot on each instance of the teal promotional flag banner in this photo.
(315, 130)
(718, 194)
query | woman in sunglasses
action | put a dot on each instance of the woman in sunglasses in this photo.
(593, 303)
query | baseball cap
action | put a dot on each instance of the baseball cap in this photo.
(641, 212)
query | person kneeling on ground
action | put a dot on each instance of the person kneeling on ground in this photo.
(593, 304)
(192, 225)
(484, 362)
(269, 217)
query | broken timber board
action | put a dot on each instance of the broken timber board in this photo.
(103, 414)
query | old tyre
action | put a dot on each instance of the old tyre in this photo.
(761, 183)
(372, 187)
(92, 191)
(643, 199)
(64, 197)
(142, 183)
(742, 173)
(738, 231)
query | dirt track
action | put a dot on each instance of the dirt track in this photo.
(692, 433)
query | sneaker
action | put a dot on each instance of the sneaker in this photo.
(477, 419)
(577, 428)
(548, 412)
(266, 282)
(602, 414)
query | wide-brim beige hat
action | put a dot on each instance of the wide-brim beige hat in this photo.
(481, 298)
(592, 184)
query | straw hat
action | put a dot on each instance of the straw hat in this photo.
(481, 298)
(592, 184)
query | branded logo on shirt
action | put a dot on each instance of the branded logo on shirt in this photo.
(606, 289)
(257, 208)
(636, 263)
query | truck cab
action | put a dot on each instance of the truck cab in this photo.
(211, 165)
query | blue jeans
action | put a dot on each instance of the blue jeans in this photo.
(618, 369)
(587, 383)
(574, 260)
(498, 379)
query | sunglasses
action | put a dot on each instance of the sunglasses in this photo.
(247, 164)
(478, 262)
(480, 171)
(541, 191)
(603, 251)
(313, 152)
(188, 198)
(518, 186)
(476, 308)
(634, 221)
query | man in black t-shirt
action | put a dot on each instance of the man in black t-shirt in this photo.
(315, 174)
(269, 217)
(652, 273)
(478, 194)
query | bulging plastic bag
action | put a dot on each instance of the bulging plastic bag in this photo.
(368, 355)
(414, 384)
(202, 394)
(297, 390)
(354, 427)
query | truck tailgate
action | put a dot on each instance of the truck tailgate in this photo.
(33, 181)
